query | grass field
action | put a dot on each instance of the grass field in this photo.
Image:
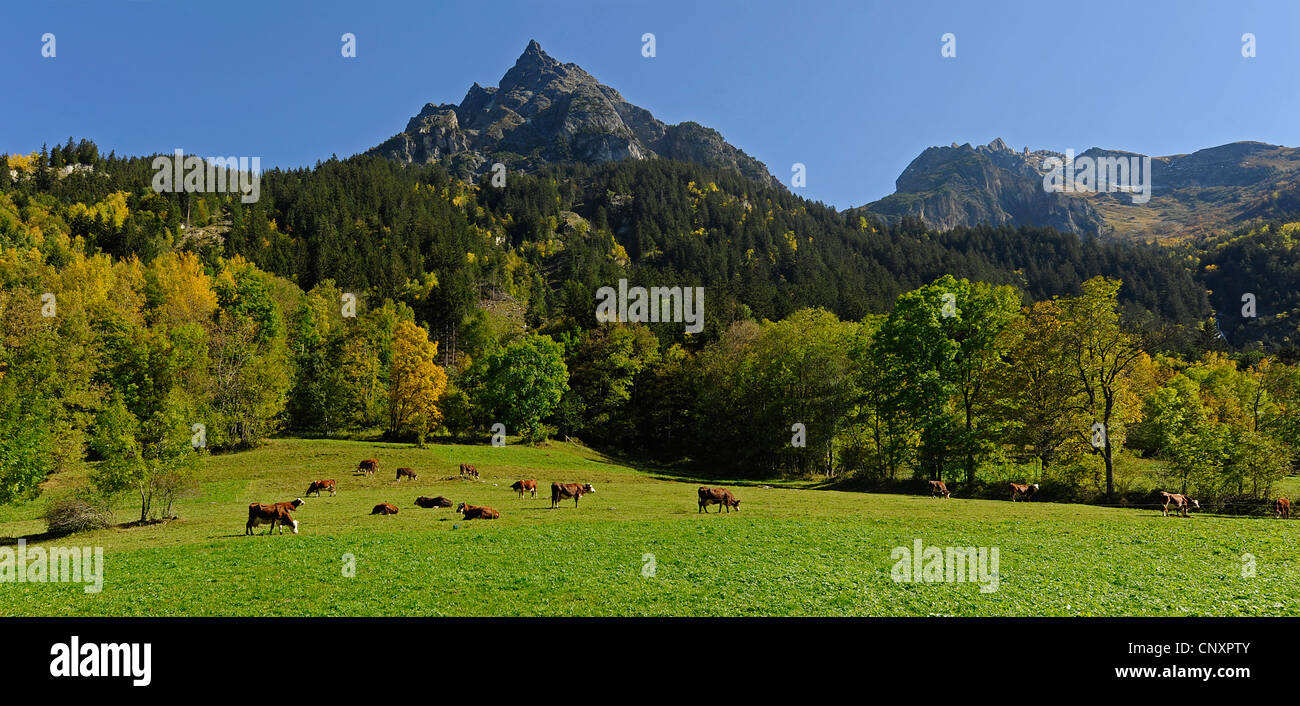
(791, 550)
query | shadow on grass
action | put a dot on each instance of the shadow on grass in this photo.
(31, 538)
(688, 472)
(47, 536)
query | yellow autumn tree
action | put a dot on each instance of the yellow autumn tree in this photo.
(23, 163)
(416, 382)
(111, 211)
(186, 294)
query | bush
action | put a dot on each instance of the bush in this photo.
(170, 487)
(76, 515)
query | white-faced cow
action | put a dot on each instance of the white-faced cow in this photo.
(273, 515)
(937, 487)
(559, 491)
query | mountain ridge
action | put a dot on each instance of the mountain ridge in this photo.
(1212, 189)
(544, 112)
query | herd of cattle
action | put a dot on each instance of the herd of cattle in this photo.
(279, 514)
(1181, 503)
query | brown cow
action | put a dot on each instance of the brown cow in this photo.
(937, 487)
(384, 509)
(439, 501)
(521, 486)
(717, 496)
(276, 514)
(477, 512)
(468, 471)
(1181, 503)
(560, 491)
(319, 485)
(407, 473)
(1028, 491)
(1282, 509)
(368, 466)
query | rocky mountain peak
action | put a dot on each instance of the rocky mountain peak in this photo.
(544, 112)
(998, 145)
(533, 68)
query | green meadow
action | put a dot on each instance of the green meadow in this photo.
(637, 546)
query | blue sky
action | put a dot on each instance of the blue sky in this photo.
(853, 90)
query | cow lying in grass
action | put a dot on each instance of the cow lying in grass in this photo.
(384, 509)
(1018, 489)
(477, 512)
(937, 487)
(1181, 503)
(716, 496)
(438, 501)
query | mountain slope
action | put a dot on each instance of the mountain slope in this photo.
(1212, 189)
(545, 112)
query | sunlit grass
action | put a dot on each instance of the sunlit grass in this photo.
(789, 551)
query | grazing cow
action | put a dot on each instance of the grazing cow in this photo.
(717, 496)
(276, 514)
(1181, 503)
(1282, 509)
(319, 485)
(407, 473)
(1028, 491)
(384, 509)
(368, 466)
(560, 491)
(937, 487)
(477, 512)
(433, 502)
(468, 471)
(522, 486)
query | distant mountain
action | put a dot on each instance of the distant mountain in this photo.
(1213, 189)
(545, 112)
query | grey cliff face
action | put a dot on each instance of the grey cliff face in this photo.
(993, 184)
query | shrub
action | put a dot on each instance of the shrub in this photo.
(76, 515)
